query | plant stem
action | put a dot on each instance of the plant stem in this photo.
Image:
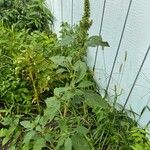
(36, 97)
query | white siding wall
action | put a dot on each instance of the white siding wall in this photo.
(135, 41)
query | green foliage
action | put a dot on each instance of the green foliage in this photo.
(139, 139)
(49, 99)
(26, 14)
(26, 71)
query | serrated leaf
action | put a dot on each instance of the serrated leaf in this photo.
(85, 84)
(68, 144)
(80, 68)
(79, 142)
(26, 124)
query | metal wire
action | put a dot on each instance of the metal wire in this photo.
(100, 30)
(133, 85)
(62, 10)
(115, 59)
(72, 11)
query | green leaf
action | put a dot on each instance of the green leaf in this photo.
(39, 144)
(37, 119)
(5, 140)
(61, 70)
(66, 40)
(60, 91)
(60, 143)
(26, 124)
(3, 132)
(80, 68)
(28, 136)
(61, 60)
(12, 148)
(94, 41)
(104, 44)
(53, 106)
(68, 144)
(94, 100)
(25, 147)
(79, 142)
(63, 125)
(58, 60)
(82, 130)
(85, 84)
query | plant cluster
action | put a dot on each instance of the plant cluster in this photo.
(48, 97)
(26, 14)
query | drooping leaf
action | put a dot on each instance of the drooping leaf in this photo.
(104, 44)
(96, 41)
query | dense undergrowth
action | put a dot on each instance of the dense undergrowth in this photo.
(48, 98)
(26, 14)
